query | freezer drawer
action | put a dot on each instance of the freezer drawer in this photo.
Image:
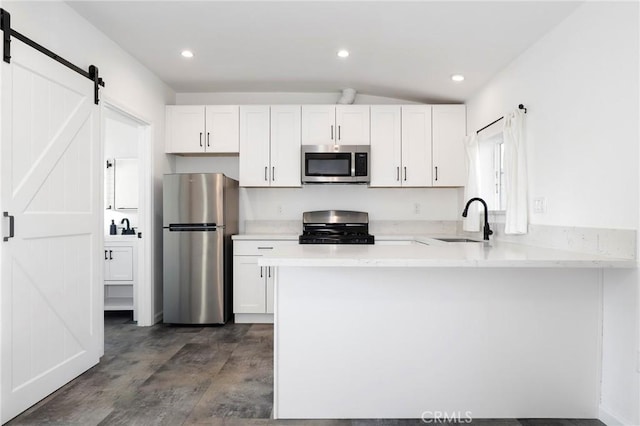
(194, 279)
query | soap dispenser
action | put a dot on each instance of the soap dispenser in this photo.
(113, 229)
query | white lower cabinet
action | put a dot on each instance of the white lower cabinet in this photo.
(119, 275)
(253, 285)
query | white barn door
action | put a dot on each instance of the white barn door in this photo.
(50, 292)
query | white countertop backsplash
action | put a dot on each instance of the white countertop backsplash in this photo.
(257, 227)
(620, 243)
(376, 227)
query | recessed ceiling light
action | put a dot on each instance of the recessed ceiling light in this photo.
(457, 77)
(187, 54)
(343, 53)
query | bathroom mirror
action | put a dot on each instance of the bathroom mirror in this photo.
(125, 183)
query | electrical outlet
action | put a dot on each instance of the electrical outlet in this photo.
(540, 205)
(416, 208)
(279, 209)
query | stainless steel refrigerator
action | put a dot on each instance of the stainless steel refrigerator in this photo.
(200, 213)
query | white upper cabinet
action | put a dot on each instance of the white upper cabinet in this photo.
(335, 125)
(318, 124)
(270, 145)
(386, 145)
(184, 128)
(285, 145)
(416, 146)
(449, 124)
(202, 129)
(222, 128)
(352, 123)
(254, 146)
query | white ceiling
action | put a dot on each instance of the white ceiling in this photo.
(406, 50)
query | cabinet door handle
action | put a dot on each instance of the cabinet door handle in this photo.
(265, 173)
(200, 139)
(110, 254)
(398, 173)
(405, 173)
(265, 248)
(269, 271)
(339, 132)
(11, 226)
(208, 134)
(261, 276)
(105, 255)
(436, 172)
(332, 132)
(273, 174)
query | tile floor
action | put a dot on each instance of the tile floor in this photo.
(166, 375)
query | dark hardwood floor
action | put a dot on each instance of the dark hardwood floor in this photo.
(165, 375)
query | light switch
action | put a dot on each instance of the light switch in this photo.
(540, 205)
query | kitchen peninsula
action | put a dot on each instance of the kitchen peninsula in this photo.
(409, 328)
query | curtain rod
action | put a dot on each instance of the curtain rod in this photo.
(495, 121)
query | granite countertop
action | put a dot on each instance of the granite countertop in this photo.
(422, 251)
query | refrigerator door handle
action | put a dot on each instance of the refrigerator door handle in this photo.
(178, 227)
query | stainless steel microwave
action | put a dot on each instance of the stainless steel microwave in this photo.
(335, 164)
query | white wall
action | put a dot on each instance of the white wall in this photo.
(580, 85)
(276, 98)
(290, 203)
(128, 84)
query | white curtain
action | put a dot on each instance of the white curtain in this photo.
(515, 173)
(472, 222)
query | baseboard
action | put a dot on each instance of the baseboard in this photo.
(610, 419)
(253, 318)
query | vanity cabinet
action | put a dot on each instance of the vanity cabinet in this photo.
(253, 284)
(417, 145)
(194, 129)
(335, 125)
(119, 275)
(270, 146)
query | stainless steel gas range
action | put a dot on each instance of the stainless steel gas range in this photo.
(335, 227)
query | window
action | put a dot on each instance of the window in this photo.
(491, 169)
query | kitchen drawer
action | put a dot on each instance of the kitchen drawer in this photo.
(259, 248)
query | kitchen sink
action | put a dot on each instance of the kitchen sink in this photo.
(458, 240)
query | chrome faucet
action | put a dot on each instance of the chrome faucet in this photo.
(487, 231)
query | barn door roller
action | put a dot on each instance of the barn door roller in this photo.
(8, 32)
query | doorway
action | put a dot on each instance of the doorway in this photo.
(127, 211)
